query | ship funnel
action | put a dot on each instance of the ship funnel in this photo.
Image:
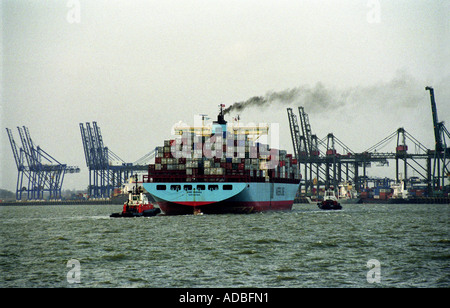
(220, 122)
(220, 117)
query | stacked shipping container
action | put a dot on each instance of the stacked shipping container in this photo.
(235, 158)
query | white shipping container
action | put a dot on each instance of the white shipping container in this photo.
(192, 164)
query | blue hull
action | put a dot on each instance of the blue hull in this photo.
(222, 197)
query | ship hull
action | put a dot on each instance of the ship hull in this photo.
(350, 201)
(245, 198)
(170, 208)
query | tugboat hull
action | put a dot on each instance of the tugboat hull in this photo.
(146, 213)
(329, 205)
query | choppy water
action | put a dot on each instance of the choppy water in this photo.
(302, 248)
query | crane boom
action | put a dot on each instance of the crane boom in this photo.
(295, 131)
(436, 125)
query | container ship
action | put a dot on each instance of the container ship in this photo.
(221, 168)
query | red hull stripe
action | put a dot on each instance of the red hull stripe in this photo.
(195, 203)
(171, 208)
(243, 203)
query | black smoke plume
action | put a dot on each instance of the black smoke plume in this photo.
(403, 91)
(318, 96)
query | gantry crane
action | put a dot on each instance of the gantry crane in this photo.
(44, 173)
(107, 171)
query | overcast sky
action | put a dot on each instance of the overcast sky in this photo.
(138, 67)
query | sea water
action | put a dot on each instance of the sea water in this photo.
(363, 245)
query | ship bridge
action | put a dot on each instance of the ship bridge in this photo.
(253, 132)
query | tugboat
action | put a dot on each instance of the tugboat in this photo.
(137, 205)
(329, 202)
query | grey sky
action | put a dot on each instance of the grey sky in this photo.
(138, 67)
